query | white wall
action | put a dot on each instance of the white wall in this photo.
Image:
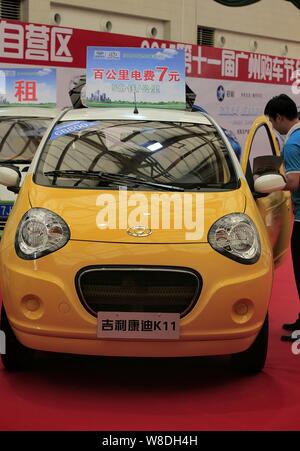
(273, 24)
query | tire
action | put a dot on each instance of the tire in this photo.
(253, 359)
(17, 356)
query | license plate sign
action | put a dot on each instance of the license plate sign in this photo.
(138, 326)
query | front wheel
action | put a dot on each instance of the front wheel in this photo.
(253, 359)
(17, 356)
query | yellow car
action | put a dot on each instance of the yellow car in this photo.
(138, 233)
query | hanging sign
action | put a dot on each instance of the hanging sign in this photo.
(28, 87)
(123, 76)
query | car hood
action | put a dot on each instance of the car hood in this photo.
(117, 216)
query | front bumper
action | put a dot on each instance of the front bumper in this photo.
(45, 312)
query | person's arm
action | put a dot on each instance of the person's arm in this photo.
(292, 166)
(292, 180)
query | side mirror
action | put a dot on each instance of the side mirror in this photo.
(10, 177)
(269, 183)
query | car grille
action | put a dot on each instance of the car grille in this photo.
(138, 289)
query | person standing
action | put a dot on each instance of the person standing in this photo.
(283, 115)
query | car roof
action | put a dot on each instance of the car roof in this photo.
(24, 111)
(128, 114)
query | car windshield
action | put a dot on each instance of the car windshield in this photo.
(20, 137)
(138, 154)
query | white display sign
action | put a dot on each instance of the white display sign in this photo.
(126, 77)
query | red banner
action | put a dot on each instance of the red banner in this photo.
(40, 44)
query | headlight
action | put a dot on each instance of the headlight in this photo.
(40, 232)
(236, 236)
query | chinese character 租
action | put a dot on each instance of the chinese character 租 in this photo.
(25, 90)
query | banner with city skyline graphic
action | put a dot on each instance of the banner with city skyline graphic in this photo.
(142, 77)
(28, 87)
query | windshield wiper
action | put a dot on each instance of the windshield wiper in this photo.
(111, 178)
(135, 179)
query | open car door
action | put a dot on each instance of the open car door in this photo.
(275, 208)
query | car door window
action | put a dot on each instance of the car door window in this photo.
(262, 145)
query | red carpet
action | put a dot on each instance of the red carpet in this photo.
(83, 393)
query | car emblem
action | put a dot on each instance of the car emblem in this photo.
(139, 231)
